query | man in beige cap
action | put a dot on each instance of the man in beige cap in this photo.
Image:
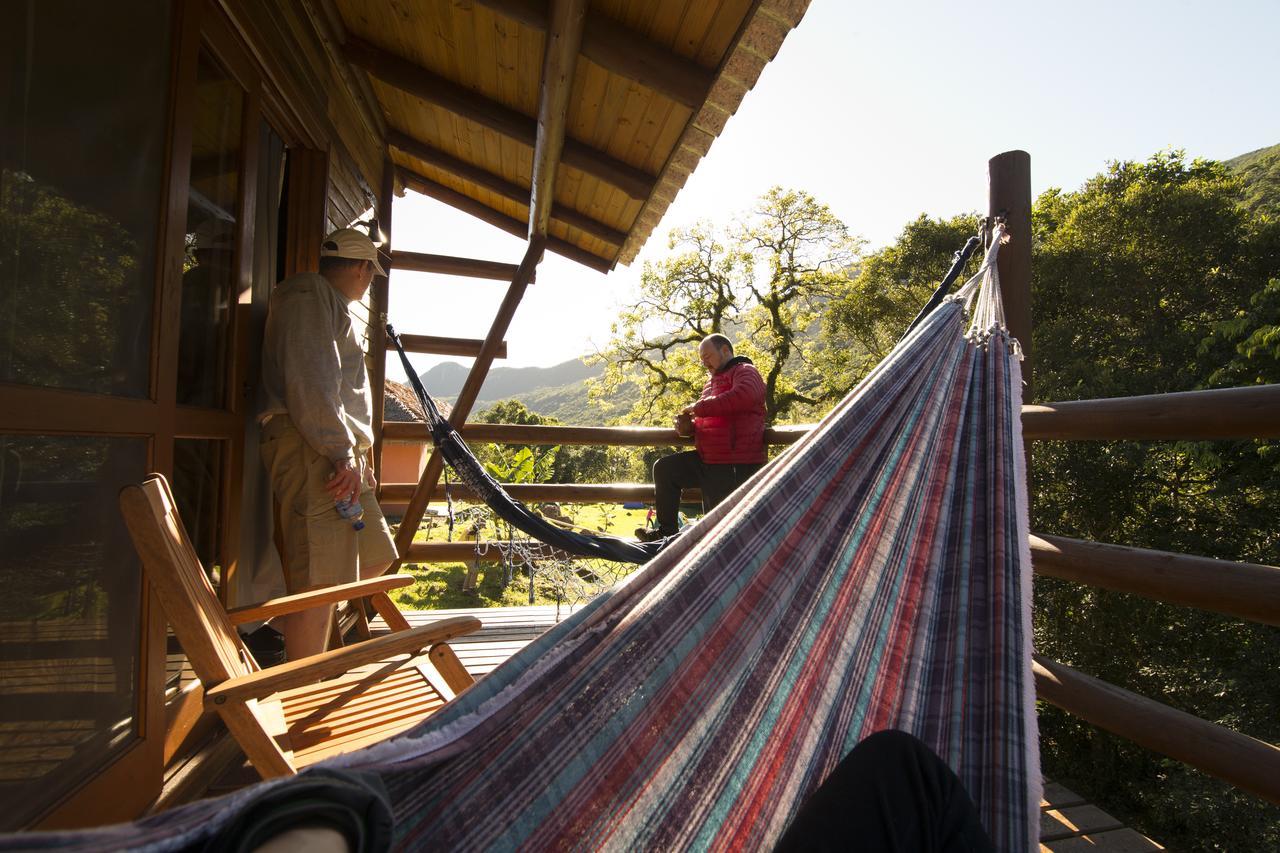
(317, 431)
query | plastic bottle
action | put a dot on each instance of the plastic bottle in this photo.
(350, 509)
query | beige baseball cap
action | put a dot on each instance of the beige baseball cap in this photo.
(350, 243)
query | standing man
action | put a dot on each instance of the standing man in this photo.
(317, 431)
(728, 431)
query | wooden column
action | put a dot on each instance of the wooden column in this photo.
(467, 396)
(564, 38)
(378, 313)
(308, 184)
(1010, 196)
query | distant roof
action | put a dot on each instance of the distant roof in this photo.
(400, 404)
(654, 84)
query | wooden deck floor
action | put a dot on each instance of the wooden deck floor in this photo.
(1068, 824)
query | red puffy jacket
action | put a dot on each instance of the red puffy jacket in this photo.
(729, 416)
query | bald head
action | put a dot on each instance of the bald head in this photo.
(714, 351)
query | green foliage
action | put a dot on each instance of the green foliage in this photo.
(763, 281)
(1152, 278)
(516, 463)
(550, 464)
(1261, 173)
(869, 313)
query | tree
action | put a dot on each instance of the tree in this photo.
(870, 312)
(763, 280)
(516, 463)
(1153, 278)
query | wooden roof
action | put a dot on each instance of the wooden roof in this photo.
(652, 84)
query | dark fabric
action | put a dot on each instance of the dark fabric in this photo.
(891, 794)
(728, 419)
(687, 471)
(354, 804)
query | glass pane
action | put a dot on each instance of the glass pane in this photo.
(69, 616)
(82, 142)
(197, 488)
(209, 268)
(259, 576)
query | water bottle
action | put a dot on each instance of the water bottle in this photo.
(350, 509)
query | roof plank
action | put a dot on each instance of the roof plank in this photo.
(623, 51)
(431, 87)
(446, 162)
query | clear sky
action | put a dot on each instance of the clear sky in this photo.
(885, 110)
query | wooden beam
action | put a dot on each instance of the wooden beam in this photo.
(466, 347)
(470, 390)
(378, 309)
(483, 212)
(1243, 590)
(1249, 412)
(449, 265)
(1249, 764)
(559, 59)
(433, 156)
(529, 492)
(624, 52)
(432, 88)
(582, 435)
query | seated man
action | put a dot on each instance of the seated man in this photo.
(728, 431)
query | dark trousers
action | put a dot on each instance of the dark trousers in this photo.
(687, 471)
(891, 793)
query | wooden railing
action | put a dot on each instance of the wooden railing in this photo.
(1243, 590)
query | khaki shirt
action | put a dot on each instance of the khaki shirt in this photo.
(313, 368)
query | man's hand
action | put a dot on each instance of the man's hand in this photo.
(688, 410)
(345, 482)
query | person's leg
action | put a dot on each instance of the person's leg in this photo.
(891, 793)
(377, 545)
(306, 632)
(671, 474)
(720, 481)
(320, 547)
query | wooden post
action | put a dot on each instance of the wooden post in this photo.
(1009, 177)
(378, 311)
(564, 38)
(308, 186)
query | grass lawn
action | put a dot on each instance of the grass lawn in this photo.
(439, 586)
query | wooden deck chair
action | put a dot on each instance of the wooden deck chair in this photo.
(287, 717)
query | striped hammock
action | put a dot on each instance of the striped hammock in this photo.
(876, 575)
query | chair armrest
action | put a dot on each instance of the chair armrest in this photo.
(338, 661)
(316, 597)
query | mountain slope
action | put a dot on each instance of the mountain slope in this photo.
(1261, 172)
(446, 379)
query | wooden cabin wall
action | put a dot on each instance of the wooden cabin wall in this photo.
(316, 99)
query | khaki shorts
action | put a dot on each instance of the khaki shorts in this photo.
(320, 547)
